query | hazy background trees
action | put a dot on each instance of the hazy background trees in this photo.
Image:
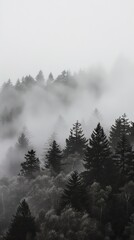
(76, 176)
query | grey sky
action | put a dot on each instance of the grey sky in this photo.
(53, 35)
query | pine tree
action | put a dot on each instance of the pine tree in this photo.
(98, 160)
(50, 79)
(40, 78)
(53, 158)
(74, 194)
(31, 165)
(125, 125)
(76, 141)
(124, 159)
(115, 133)
(121, 126)
(63, 77)
(22, 226)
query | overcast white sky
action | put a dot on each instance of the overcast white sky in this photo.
(53, 35)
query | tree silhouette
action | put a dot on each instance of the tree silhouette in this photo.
(98, 159)
(31, 165)
(22, 226)
(50, 79)
(121, 126)
(124, 159)
(76, 141)
(75, 194)
(40, 78)
(53, 158)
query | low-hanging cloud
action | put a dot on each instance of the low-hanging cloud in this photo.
(49, 109)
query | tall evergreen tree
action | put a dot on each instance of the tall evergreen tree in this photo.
(53, 158)
(121, 126)
(22, 226)
(74, 194)
(76, 141)
(98, 160)
(31, 165)
(124, 159)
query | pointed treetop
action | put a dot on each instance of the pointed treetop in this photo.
(23, 209)
(50, 79)
(40, 77)
(53, 158)
(76, 141)
(74, 193)
(31, 164)
(97, 158)
(122, 126)
(22, 226)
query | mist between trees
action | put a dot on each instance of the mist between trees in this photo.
(43, 107)
(63, 178)
(82, 191)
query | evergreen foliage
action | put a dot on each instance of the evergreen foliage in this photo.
(53, 158)
(76, 141)
(31, 165)
(96, 204)
(74, 193)
(98, 159)
(22, 226)
(124, 159)
(121, 126)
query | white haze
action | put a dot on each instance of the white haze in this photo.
(43, 114)
(54, 35)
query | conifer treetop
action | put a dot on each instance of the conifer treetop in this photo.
(53, 157)
(76, 141)
(31, 164)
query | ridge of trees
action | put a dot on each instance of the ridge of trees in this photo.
(93, 202)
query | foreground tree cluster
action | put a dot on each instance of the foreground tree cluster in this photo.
(84, 191)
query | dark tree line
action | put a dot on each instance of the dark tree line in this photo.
(102, 192)
(101, 161)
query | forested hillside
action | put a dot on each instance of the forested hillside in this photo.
(79, 184)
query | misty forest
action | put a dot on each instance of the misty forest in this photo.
(65, 172)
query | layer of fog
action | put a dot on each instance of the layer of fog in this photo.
(98, 96)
